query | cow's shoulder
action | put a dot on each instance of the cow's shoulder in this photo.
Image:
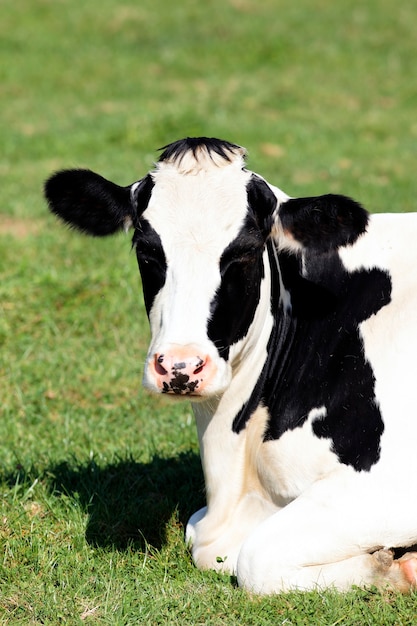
(316, 357)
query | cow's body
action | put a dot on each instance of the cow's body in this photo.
(290, 325)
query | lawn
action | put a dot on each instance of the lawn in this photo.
(97, 478)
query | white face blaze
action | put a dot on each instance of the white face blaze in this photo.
(197, 213)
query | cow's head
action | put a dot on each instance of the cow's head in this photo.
(201, 221)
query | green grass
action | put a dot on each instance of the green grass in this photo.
(97, 479)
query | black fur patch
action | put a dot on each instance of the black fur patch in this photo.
(236, 300)
(151, 260)
(316, 358)
(324, 222)
(241, 267)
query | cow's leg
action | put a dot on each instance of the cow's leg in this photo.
(216, 536)
(318, 542)
(379, 569)
(191, 530)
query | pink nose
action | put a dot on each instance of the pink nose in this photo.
(181, 371)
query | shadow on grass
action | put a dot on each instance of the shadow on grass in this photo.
(131, 503)
(128, 503)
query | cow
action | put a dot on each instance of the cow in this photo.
(291, 326)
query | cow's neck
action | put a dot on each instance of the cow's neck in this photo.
(223, 449)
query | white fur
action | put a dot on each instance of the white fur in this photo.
(195, 228)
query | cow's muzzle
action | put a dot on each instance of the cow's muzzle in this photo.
(181, 370)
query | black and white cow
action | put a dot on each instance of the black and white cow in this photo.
(291, 325)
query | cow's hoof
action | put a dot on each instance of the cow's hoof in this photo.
(384, 559)
(399, 574)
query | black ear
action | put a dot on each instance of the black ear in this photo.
(262, 201)
(324, 222)
(91, 203)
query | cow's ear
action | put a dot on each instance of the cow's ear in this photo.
(322, 223)
(92, 204)
(262, 201)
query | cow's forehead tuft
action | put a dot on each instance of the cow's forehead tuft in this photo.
(196, 154)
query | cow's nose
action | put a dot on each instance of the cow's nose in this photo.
(181, 371)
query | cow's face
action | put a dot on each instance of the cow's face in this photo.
(201, 222)
(199, 244)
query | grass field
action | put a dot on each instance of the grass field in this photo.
(97, 479)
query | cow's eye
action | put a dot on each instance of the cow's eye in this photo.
(240, 259)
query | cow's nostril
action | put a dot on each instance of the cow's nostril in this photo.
(199, 366)
(159, 369)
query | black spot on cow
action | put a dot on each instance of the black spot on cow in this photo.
(180, 383)
(151, 260)
(316, 357)
(242, 270)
